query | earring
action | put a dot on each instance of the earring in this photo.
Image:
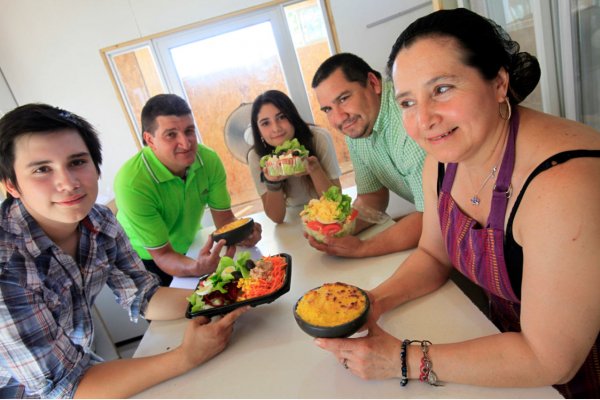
(508, 112)
(262, 139)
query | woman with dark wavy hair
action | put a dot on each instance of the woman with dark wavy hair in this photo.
(511, 201)
(275, 119)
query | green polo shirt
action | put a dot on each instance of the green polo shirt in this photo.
(156, 207)
(388, 157)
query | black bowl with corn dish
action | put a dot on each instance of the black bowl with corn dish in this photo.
(234, 232)
(333, 310)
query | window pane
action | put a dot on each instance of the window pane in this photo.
(311, 43)
(139, 80)
(519, 25)
(220, 73)
(587, 14)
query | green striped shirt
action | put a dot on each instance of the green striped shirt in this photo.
(388, 157)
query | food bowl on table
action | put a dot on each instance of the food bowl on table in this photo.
(234, 232)
(333, 310)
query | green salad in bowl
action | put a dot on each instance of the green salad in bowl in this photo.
(287, 159)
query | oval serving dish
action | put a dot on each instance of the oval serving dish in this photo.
(319, 304)
(253, 302)
(234, 232)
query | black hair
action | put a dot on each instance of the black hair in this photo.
(355, 69)
(487, 47)
(162, 105)
(40, 118)
(280, 100)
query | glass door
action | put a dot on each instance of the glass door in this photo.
(522, 21)
(219, 66)
(584, 18)
(216, 72)
(565, 37)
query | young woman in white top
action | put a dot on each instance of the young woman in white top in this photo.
(275, 119)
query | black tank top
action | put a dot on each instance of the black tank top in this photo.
(513, 252)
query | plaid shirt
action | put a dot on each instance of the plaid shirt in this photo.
(388, 157)
(46, 297)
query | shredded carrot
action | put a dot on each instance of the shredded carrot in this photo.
(257, 287)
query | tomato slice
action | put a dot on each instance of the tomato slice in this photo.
(331, 229)
(315, 226)
(353, 215)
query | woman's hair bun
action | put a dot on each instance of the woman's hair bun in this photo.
(524, 76)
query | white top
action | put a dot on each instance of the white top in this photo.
(299, 190)
(270, 357)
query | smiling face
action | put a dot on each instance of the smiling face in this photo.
(57, 179)
(174, 142)
(350, 107)
(275, 128)
(449, 109)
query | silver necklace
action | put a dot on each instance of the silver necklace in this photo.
(475, 200)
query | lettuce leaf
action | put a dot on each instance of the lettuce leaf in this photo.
(240, 263)
(293, 144)
(344, 201)
(283, 148)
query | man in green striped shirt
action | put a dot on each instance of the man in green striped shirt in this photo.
(362, 106)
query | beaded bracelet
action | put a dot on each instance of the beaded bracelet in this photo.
(404, 379)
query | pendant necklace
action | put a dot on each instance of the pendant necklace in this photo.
(475, 200)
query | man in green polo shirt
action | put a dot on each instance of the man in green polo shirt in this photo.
(362, 106)
(162, 191)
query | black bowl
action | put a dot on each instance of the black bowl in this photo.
(338, 331)
(236, 235)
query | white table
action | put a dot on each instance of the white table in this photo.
(270, 357)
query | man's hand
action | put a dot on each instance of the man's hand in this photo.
(256, 235)
(204, 338)
(347, 246)
(208, 258)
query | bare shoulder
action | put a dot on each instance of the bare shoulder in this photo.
(563, 197)
(548, 134)
(545, 135)
(542, 136)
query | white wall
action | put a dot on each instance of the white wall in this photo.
(7, 101)
(49, 50)
(373, 44)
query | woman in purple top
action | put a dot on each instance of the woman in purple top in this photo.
(511, 201)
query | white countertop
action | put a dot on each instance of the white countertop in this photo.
(270, 357)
